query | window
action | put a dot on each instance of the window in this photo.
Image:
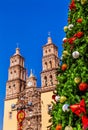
(14, 86)
(14, 71)
(45, 51)
(51, 80)
(9, 86)
(10, 115)
(45, 80)
(45, 65)
(11, 72)
(49, 50)
(50, 63)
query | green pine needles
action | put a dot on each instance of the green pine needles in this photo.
(70, 106)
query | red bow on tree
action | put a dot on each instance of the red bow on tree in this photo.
(72, 5)
(78, 108)
(71, 40)
(79, 34)
(85, 122)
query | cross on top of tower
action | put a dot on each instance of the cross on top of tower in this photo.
(31, 73)
(17, 50)
(49, 38)
(49, 34)
(17, 45)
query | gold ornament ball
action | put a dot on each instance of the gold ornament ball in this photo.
(77, 80)
(65, 28)
(63, 99)
(83, 2)
(68, 128)
(65, 53)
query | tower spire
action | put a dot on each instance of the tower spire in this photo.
(17, 45)
(31, 73)
(17, 50)
(49, 38)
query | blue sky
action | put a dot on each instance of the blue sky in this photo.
(28, 22)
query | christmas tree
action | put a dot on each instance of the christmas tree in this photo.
(70, 109)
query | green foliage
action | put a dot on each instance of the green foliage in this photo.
(76, 68)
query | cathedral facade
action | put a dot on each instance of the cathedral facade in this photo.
(22, 93)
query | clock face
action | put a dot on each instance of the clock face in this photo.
(29, 84)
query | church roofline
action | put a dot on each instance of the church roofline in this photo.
(17, 55)
(49, 55)
(16, 66)
(48, 70)
(15, 80)
(49, 45)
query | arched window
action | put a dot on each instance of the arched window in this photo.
(10, 115)
(46, 65)
(45, 81)
(50, 64)
(51, 80)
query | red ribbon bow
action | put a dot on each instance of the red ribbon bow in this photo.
(72, 5)
(78, 108)
(85, 122)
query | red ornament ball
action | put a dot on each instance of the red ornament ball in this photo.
(59, 127)
(79, 20)
(64, 67)
(83, 86)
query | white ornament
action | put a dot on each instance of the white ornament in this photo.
(77, 0)
(75, 54)
(65, 107)
(57, 98)
(61, 58)
(68, 127)
(64, 39)
(70, 26)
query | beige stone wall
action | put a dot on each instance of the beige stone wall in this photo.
(9, 124)
(46, 99)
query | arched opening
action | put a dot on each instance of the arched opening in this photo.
(50, 64)
(51, 80)
(46, 65)
(45, 81)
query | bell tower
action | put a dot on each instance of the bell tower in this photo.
(50, 63)
(15, 84)
(16, 75)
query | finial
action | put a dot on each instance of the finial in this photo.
(49, 38)
(49, 34)
(17, 45)
(17, 49)
(31, 73)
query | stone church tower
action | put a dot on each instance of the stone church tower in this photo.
(22, 92)
(50, 64)
(15, 84)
